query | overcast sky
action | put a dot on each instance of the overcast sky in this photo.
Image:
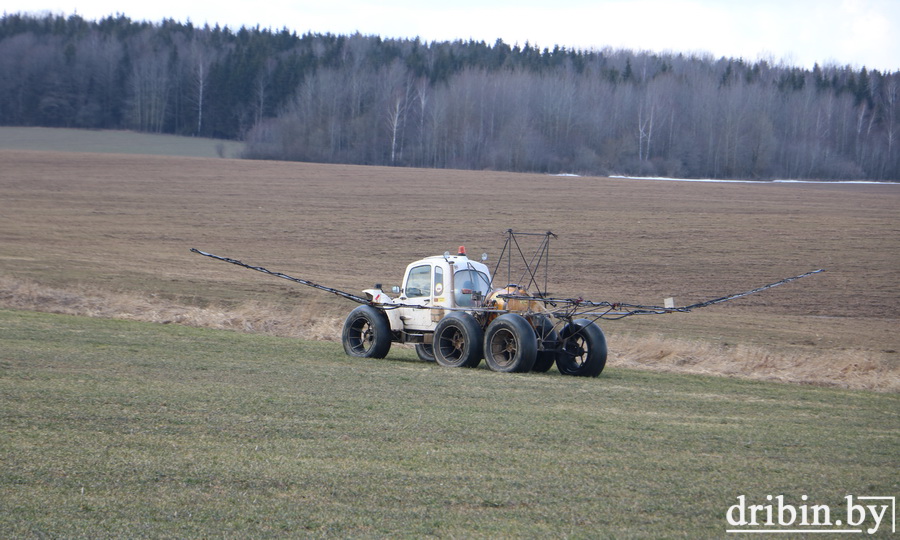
(797, 32)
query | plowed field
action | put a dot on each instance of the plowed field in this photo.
(112, 227)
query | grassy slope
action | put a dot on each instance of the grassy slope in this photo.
(114, 428)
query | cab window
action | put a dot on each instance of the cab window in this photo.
(467, 283)
(438, 280)
(419, 282)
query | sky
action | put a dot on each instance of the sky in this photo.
(793, 32)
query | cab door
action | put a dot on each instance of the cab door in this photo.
(424, 286)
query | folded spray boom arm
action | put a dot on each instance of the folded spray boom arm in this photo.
(306, 282)
(569, 307)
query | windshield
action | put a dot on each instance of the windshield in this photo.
(466, 282)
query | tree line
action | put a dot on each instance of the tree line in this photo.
(461, 104)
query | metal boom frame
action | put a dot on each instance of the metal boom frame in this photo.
(560, 308)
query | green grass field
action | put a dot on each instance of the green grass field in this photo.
(125, 429)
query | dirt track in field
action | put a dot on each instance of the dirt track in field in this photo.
(112, 227)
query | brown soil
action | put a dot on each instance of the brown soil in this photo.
(98, 230)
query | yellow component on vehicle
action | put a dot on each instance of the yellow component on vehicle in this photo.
(495, 300)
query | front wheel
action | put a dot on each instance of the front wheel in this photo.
(510, 344)
(457, 341)
(366, 333)
(583, 351)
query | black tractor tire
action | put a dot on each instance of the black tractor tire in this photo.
(543, 328)
(366, 333)
(457, 341)
(425, 352)
(510, 345)
(584, 351)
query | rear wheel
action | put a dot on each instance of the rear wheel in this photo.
(366, 333)
(583, 351)
(457, 341)
(425, 352)
(510, 344)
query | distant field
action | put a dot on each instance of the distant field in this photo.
(114, 142)
(109, 235)
(118, 429)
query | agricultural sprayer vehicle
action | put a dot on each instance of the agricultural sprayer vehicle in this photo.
(452, 309)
